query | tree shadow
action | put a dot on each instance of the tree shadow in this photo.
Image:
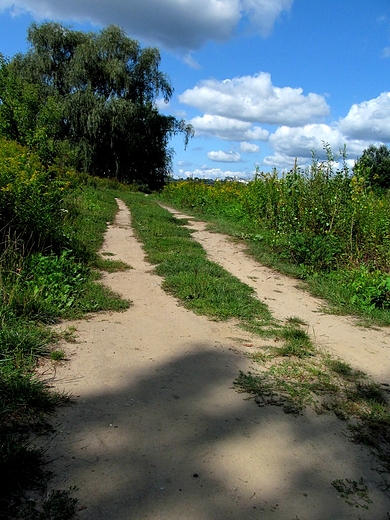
(178, 442)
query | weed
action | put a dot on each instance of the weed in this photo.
(68, 334)
(58, 505)
(304, 376)
(110, 266)
(296, 343)
(295, 321)
(339, 366)
(373, 429)
(57, 355)
(355, 493)
(317, 224)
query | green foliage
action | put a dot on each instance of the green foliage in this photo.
(374, 166)
(328, 227)
(89, 100)
(367, 289)
(49, 285)
(201, 285)
(30, 200)
(314, 252)
(43, 211)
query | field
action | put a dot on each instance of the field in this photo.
(328, 229)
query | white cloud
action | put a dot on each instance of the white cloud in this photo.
(249, 147)
(264, 13)
(255, 99)
(369, 120)
(284, 162)
(281, 161)
(191, 62)
(228, 129)
(299, 142)
(289, 143)
(386, 52)
(162, 105)
(174, 24)
(212, 173)
(221, 156)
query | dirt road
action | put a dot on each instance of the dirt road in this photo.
(158, 432)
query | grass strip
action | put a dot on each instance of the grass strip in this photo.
(295, 374)
(201, 285)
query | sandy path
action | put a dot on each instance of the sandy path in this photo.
(157, 432)
(365, 349)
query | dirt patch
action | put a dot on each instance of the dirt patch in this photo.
(158, 432)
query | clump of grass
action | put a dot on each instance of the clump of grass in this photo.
(58, 505)
(339, 367)
(356, 494)
(295, 321)
(57, 355)
(296, 343)
(110, 266)
(297, 375)
(373, 429)
(267, 329)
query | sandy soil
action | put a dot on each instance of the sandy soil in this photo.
(158, 432)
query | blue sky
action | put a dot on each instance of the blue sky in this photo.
(262, 81)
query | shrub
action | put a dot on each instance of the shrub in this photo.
(30, 200)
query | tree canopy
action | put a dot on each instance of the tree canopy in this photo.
(374, 164)
(90, 99)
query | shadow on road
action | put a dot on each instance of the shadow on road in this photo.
(177, 442)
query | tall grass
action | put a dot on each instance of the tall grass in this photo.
(51, 226)
(329, 225)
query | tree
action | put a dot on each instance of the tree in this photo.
(104, 88)
(374, 165)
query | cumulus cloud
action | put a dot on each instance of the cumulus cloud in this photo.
(256, 99)
(369, 120)
(174, 24)
(249, 147)
(281, 161)
(300, 142)
(221, 156)
(228, 129)
(290, 143)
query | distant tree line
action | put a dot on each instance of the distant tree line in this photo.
(88, 100)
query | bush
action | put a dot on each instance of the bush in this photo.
(30, 200)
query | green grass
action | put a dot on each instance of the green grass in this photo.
(39, 288)
(292, 372)
(110, 266)
(57, 355)
(201, 285)
(354, 281)
(296, 375)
